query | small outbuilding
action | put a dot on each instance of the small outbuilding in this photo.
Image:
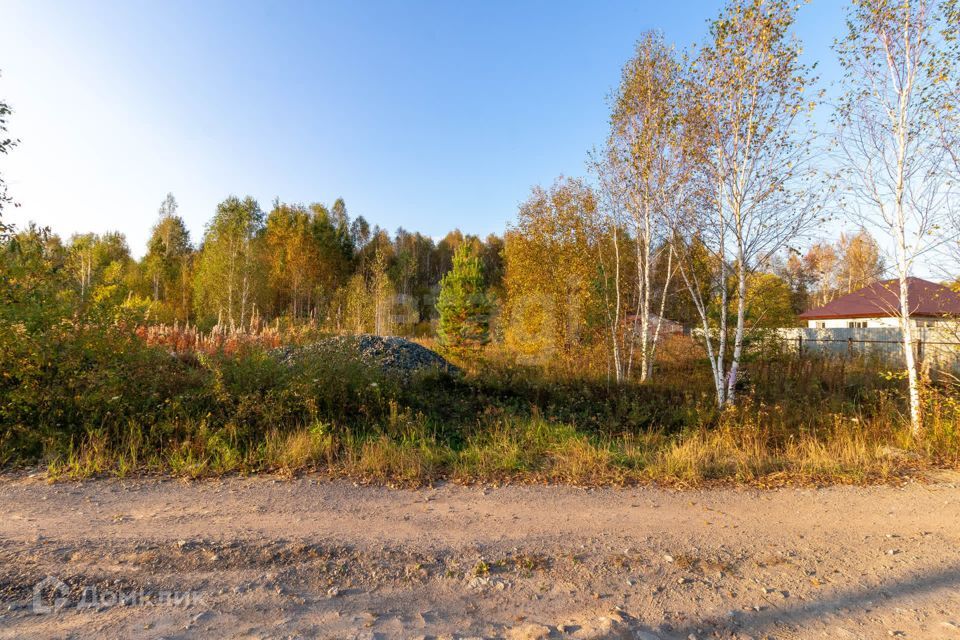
(667, 327)
(878, 305)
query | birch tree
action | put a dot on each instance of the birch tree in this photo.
(607, 227)
(745, 101)
(948, 116)
(168, 255)
(382, 295)
(648, 181)
(98, 262)
(228, 278)
(294, 258)
(891, 143)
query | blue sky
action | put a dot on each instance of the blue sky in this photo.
(425, 115)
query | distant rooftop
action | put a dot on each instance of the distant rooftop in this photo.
(882, 300)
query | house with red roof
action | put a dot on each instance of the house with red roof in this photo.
(878, 305)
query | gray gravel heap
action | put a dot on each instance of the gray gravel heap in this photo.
(396, 356)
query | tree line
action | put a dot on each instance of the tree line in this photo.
(314, 264)
(302, 263)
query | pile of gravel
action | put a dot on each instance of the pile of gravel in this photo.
(396, 356)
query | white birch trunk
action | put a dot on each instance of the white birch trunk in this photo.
(913, 378)
(693, 287)
(663, 306)
(645, 309)
(230, 280)
(616, 309)
(903, 265)
(738, 335)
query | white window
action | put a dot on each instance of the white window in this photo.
(857, 324)
(820, 324)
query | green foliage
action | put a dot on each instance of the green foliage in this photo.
(99, 265)
(463, 304)
(309, 256)
(167, 264)
(77, 375)
(228, 281)
(294, 267)
(769, 302)
(148, 411)
(80, 388)
(35, 289)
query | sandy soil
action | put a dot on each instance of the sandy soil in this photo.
(267, 558)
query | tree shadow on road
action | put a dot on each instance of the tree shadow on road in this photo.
(789, 619)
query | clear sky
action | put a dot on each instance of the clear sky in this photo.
(425, 115)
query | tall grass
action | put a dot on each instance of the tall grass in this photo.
(749, 445)
(92, 401)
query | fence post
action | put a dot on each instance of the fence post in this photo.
(800, 344)
(850, 346)
(920, 350)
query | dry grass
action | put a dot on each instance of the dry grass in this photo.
(299, 450)
(802, 421)
(742, 449)
(385, 460)
(189, 339)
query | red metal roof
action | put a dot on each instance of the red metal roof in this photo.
(882, 299)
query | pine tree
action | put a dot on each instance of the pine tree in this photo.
(463, 304)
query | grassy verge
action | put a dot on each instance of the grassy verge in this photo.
(531, 450)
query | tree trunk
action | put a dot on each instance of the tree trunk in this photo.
(615, 329)
(230, 282)
(903, 265)
(738, 336)
(720, 369)
(693, 287)
(913, 379)
(613, 317)
(645, 310)
(663, 306)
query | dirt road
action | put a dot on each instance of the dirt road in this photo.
(266, 558)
